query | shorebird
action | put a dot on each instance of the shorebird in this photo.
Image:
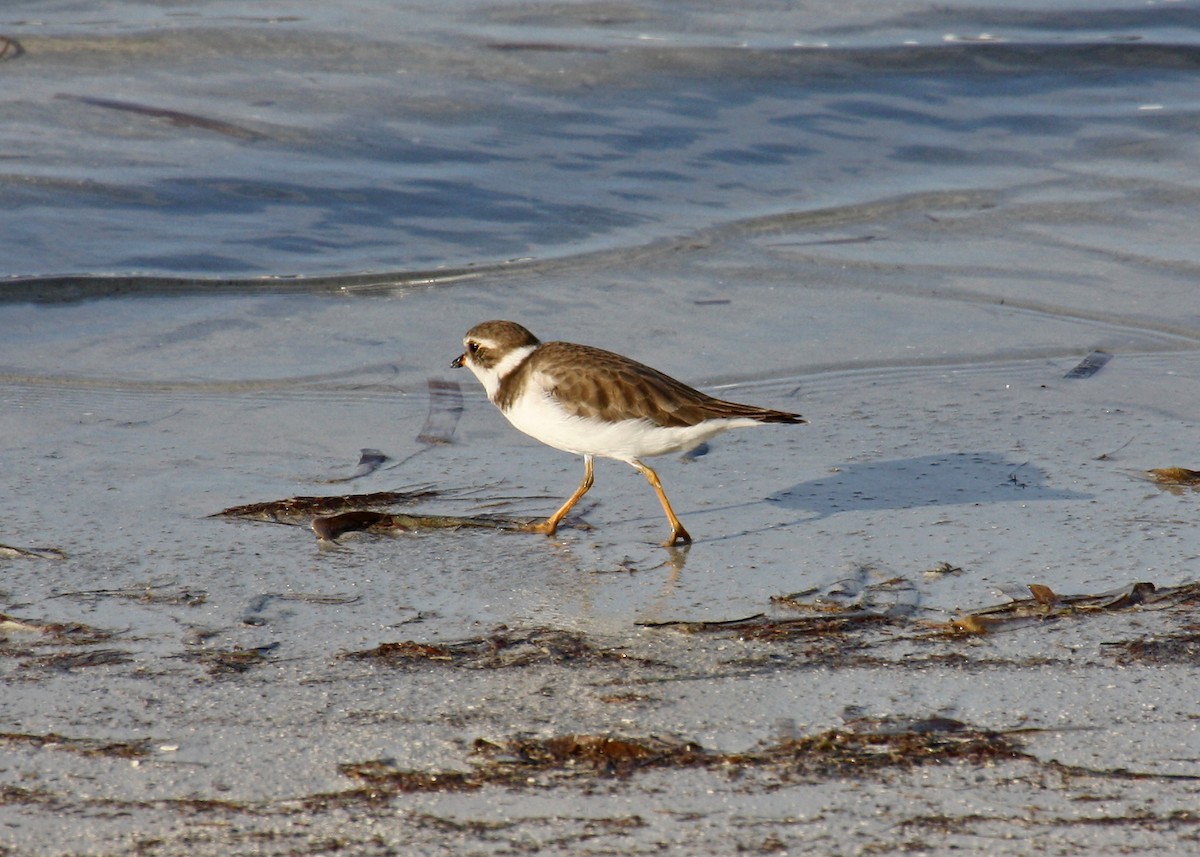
(591, 402)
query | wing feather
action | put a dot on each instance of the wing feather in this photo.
(593, 383)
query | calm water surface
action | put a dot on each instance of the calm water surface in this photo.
(216, 140)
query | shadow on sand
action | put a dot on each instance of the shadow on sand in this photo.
(953, 479)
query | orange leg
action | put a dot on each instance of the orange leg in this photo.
(678, 533)
(550, 525)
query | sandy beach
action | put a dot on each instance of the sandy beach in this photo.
(955, 612)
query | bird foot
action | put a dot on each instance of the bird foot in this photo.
(678, 534)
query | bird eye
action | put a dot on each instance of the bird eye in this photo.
(473, 347)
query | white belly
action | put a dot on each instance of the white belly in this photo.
(540, 417)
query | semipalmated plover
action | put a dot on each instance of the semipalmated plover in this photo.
(593, 402)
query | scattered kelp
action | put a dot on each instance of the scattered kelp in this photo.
(503, 648)
(524, 762)
(1175, 479)
(330, 527)
(332, 517)
(844, 752)
(11, 551)
(1045, 604)
(1169, 649)
(147, 594)
(174, 117)
(865, 747)
(82, 746)
(222, 663)
(67, 661)
(349, 799)
(299, 511)
(606, 755)
(764, 627)
(35, 645)
(16, 795)
(380, 774)
(826, 619)
(855, 602)
(72, 633)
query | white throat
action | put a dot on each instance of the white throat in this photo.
(491, 378)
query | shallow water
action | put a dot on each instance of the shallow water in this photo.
(303, 142)
(239, 247)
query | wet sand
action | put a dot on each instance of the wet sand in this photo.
(182, 683)
(953, 613)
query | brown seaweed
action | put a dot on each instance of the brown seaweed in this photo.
(67, 661)
(175, 117)
(525, 762)
(1175, 479)
(222, 663)
(83, 746)
(503, 648)
(761, 626)
(72, 633)
(1167, 649)
(1045, 604)
(826, 619)
(299, 510)
(31, 553)
(148, 594)
(329, 527)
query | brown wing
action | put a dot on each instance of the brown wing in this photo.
(591, 382)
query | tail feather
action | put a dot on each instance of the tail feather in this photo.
(721, 408)
(781, 417)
